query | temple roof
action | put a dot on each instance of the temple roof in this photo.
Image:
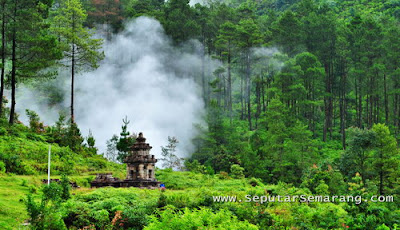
(141, 143)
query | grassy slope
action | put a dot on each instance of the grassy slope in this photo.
(13, 192)
(184, 187)
(32, 157)
(184, 190)
(12, 211)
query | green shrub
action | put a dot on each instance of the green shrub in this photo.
(66, 188)
(34, 121)
(35, 137)
(197, 219)
(3, 131)
(237, 171)
(2, 167)
(32, 189)
(255, 182)
(383, 227)
(24, 183)
(223, 175)
(162, 201)
(135, 217)
(12, 163)
(101, 218)
(28, 169)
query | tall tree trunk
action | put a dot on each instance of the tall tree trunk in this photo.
(258, 99)
(72, 83)
(372, 91)
(13, 66)
(3, 54)
(343, 106)
(263, 93)
(380, 173)
(229, 88)
(241, 97)
(356, 100)
(248, 84)
(203, 75)
(395, 102)
(386, 100)
(360, 120)
(327, 102)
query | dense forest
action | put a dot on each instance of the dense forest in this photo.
(305, 100)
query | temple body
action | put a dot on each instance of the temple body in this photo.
(140, 164)
(140, 169)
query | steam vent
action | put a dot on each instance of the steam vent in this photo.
(140, 167)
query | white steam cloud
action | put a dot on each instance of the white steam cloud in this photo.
(143, 77)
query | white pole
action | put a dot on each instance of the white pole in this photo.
(48, 170)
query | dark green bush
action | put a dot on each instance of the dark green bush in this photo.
(3, 131)
(35, 137)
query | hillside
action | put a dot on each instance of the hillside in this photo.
(24, 151)
(187, 203)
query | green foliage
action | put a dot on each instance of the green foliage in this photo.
(203, 218)
(34, 211)
(25, 152)
(373, 153)
(2, 167)
(45, 214)
(91, 142)
(3, 131)
(180, 21)
(195, 166)
(66, 188)
(118, 147)
(237, 171)
(34, 121)
(162, 201)
(386, 159)
(326, 177)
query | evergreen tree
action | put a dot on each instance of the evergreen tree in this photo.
(32, 47)
(386, 158)
(108, 13)
(3, 4)
(287, 33)
(170, 159)
(357, 157)
(249, 36)
(180, 21)
(125, 142)
(225, 42)
(81, 50)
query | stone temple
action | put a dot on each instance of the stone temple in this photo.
(140, 169)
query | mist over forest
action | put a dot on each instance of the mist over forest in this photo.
(238, 99)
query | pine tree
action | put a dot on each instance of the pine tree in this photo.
(32, 47)
(386, 158)
(2, 52)
(249, 36)
(226, 43)
(81, 50)
(170, 159)
(125, 141)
